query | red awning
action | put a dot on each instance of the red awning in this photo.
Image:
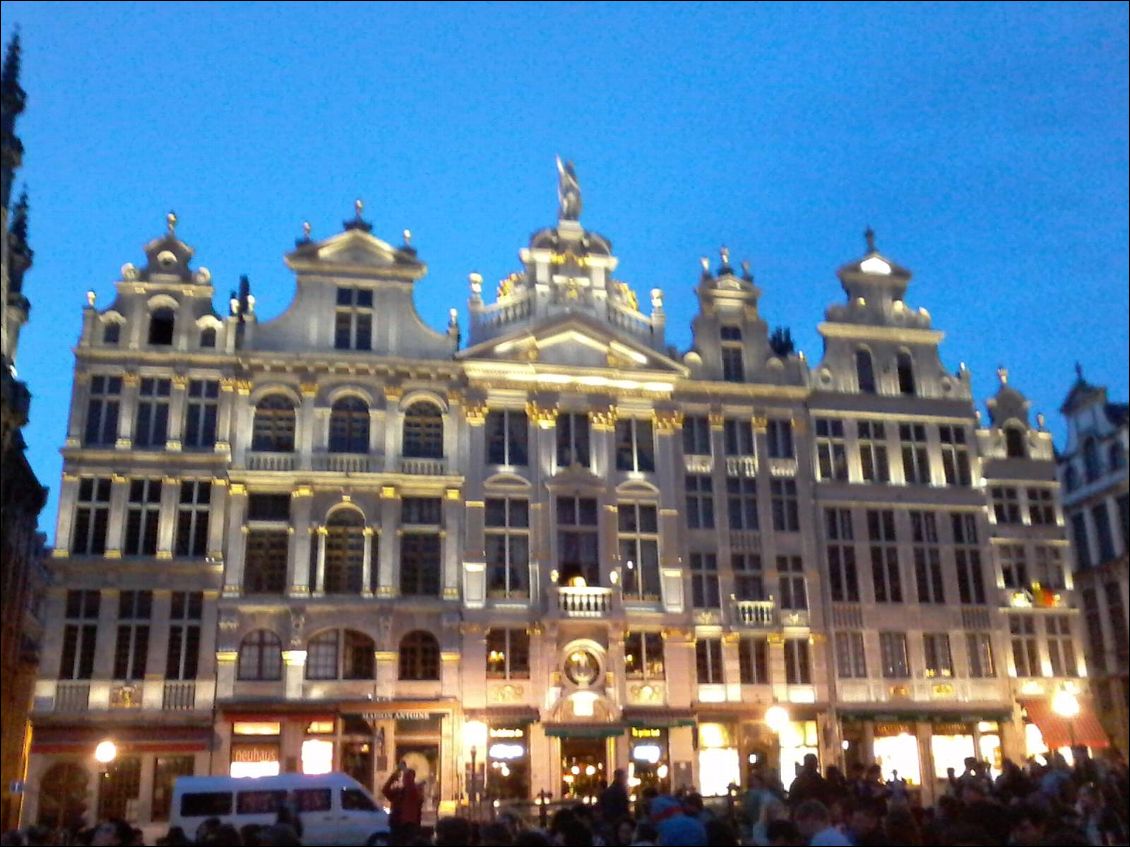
(1058, 732)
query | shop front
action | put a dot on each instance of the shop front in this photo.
(651, 738)
(587, 755)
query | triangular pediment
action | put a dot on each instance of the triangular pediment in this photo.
(354, 249)
(573, 341)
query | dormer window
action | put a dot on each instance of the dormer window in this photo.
(208, 338)
(1092, 465)
(1014, 442)
(906, 373)
(1117, 457)
(733, 366)
(353, 319)
(161, 324)
(111, 333)
(865, 371)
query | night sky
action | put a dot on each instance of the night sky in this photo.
(986, 144)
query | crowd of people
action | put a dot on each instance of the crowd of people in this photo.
(1041, 803)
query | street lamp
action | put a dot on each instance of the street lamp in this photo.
(1066, 705)
(474, 737)
(104, 754)
(777, 718)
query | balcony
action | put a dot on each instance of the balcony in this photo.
(1035, 596)
(741, 466)
(755, 613)
(345, 463)
(699, 464)
(72, 697)
(271, 461)
(179, 697)
(583, 602)
(423, 467)
(782, 467)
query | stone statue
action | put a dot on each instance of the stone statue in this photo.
(568, 192)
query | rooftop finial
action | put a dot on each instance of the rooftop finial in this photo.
(705, 262)
(171, 222)
(724, 253)
(306, 230)
(1079, 371)
(747, 274)
(568, 192)
(1002, 374)
(11, 71)
(869, 234)
(358, 207)
(407, 237)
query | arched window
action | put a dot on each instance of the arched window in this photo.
(340, 654)
(1117, 457)
(260, 656)
(423, 432)
(865, 371)
(161, 323)
(906, 373)
(349, 426)
(345, 552)
(1092, 466)
(273, 429)
(419, 656)
(1014, 442)
(63, 796)
(208, 337)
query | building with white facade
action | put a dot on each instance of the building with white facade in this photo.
(1096, 503)
(342, 539)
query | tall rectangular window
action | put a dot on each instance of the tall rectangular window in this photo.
(873, 452)
(635, 445)
(779, 438)
(1014, 566)
(643, 655)
(885, 574)
(1081, 542)
(202, 407)
(696, 435)
(733, 366)
(508, 546)
(1041, 507)
(753, 661)
(1061, 652)
(572, 440)
(132, 650)
(705, 593)
(80, 635)
(1025, 649)
(790, 582)
(1101, 517)
(786, 510)
(192, 518)
(507, 434)
(939, 659)
(102, 411)
(165, 773)
(508, 654)
(892, 650)
(915, 460)
(577, 537)
(843, 576)
(708, 661)
(420, 555)
(955, 455)
(1116, 611)
(1006, 504)
(967, 558)
(1049, 567)
(353, 319)
(92, 517)
(851, 659)
(638, 532)
(741, 501)
(738, 437)
(183, 653)
(700, 501)
(798, 662)
(142, 517)
(152, 422)
(264, 561)
(748, 581)
(927, 558)
(831, 452)
(979, 647)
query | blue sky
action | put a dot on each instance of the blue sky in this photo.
(986, 144)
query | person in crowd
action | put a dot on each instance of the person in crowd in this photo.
(864, 824)
(901, 828)
(1098, 820)
(674, 825)
(113, 831)
(623, 831)
(174, 838)
(784, 833)
(772, 810)
(453, 832)
(614, 803)
(755, 796)
(979, 811)
(811, 818)
(496, 833)
(407, 804)
(279, 835)
(12, 838)
(719, 833)
(809, 784)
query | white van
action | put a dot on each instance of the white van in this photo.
(334, 808)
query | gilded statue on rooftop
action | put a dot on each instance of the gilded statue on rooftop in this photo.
(568, 192)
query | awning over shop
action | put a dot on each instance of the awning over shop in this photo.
(926, 717)
(71, 739)
(1084, 728)
(659, 718)
(584, 730)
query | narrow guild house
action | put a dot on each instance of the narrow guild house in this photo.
(522, 552)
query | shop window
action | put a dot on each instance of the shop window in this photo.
(898, 751)
(121, 786)
(419, 656)
(423, 432)
(349, 426)
(64, 794)
(260, 656)
(166, 769)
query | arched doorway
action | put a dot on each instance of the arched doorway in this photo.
(63, 795)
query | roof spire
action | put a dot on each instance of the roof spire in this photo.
(358, 222)
(10, 78)
(869, 235)
(1079, 372)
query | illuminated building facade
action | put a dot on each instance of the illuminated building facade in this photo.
(1094, 476)
(340, 539)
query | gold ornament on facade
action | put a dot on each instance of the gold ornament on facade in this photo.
(508, 693)
(603, 420)
(475, 413)
(180, 381)
(131, 379)
(760, 423)
(243, 386)
(667, 421)
(302, 491)
(717, 420)
(308, 389)
(545, 417)
(238, 489)
(389, 492)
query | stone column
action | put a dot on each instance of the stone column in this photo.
(449, 544)
(319, 586)
(166, 525)
(390, 549)
(298, 564)
(175, 436)
(367, 563)
(115, 533)
(236, 546)
(294, 672)
(226, 416)
(304, 437)
(153, 692)
(127, 410)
